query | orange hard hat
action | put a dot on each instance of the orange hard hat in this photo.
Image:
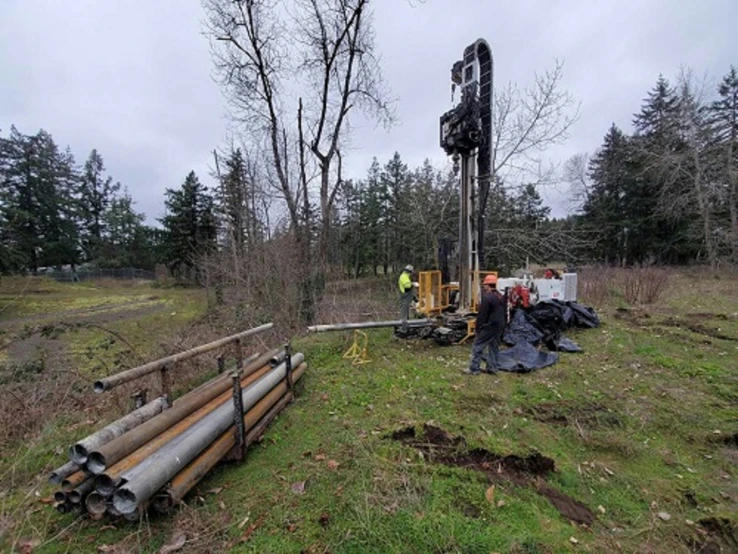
(490, 280)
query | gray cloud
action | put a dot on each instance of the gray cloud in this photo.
(133, 78)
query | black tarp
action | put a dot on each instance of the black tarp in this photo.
(542, 325)
(524, 358)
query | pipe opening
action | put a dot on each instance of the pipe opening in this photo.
(124, 501)
(96, 463)
(99, 386)
(60, 496)
(78, 454)
(105, 485)
(96, 503)
(75, 497)
(162, 503)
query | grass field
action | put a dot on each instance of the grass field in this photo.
(631, 446)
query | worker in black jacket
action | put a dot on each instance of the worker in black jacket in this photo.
(489, 328)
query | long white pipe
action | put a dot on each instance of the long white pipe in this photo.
(369, 325)
(142, 481)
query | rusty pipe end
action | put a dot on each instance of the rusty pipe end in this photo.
(162, 503)
(96, 463)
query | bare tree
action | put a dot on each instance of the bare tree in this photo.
(529, 121)
(293, 76)
(576, 175)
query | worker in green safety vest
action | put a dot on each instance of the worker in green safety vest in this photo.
(405, 284)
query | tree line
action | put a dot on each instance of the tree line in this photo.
(667, 192)
(56, 213)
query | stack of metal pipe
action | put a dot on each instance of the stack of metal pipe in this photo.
(156, 454)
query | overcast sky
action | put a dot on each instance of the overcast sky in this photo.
(132, 78)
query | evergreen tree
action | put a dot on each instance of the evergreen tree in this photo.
(36, 190)
(190, 225)
(96, 192)
(724, 119)
(123, 232)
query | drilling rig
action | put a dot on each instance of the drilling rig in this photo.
(466, 136)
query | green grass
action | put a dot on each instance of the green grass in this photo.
(635, 426)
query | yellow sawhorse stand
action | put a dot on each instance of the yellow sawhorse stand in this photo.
(471, 326)
(358, 353)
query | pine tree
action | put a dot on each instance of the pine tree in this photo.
(724, 119)
(37, 183)
(190, 225)
(96, 192)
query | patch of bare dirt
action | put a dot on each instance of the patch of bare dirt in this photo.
(98, 314)
(565, 412)
(440, 447)
(697, 328)
(715, 535)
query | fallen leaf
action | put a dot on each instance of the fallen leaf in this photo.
(324, 397)
(324, 519)
(253, 527)
(299, 487)
(501, 503)
(47, 500)
(601, 508)
(27, 545)
(222, 505)
(319, 457)
(216, 490)
(490, 494)
(665, 516)
(608, 471)
(107, 527)
(291, 528)
(240, 525)
(332, 464)
(307, 454)
(573, 540)
(177, 543)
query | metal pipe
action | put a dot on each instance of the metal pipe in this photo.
(143, 482)
(118, 448)
(136, 372)
(62, 472)
(261, 359)
(64, 507)
(369, 325)
(75, 496)
(256, 419)
(107, 482)
(75, 480)
(79, 451)
(60, 496)
(96, 503)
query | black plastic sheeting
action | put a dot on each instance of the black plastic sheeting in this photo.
(524, 357)
(542, 325)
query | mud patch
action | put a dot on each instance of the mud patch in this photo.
(715, 536)
(440, 447)
(696, 328)
(593, 416)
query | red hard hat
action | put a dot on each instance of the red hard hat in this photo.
(490, 280)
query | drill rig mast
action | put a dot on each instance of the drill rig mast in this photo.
(466, 135)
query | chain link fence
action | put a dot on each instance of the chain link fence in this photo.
(89, 273)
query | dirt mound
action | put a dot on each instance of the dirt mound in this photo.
(715, 536)
(440, 447)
